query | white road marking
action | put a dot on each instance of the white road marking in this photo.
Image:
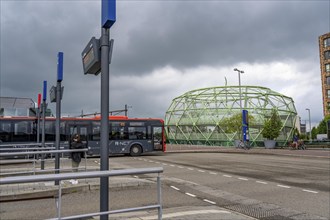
(212, 173)
(151, 161)
(202, 171)
(206, 200)
(135, 176)
(288, 187)
(186, 213)
(189, 194)
(190, 169)
(95, 161)
(164, 163)
(158, 162)
(261, 182)
(226, 176)
(172, 165)
(240, 178)
(310, 191)
(181, 167)
(173, 187)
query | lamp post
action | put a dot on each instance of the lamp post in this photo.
(240, 99)
(310, 125)
(239, 83)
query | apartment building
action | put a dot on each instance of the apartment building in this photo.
(324, 45)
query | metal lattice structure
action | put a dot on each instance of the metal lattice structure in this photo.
(198, 116)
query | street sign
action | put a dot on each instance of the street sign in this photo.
(44, 98)
(53, 93)
(91, 57)
(108, 13)
(60, 66)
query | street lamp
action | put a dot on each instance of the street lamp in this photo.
(239, 83)
(240, 95)
(310, 125)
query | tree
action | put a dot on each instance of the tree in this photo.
(234, 124)
(272, 126)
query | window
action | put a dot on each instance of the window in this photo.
(327, 55)
(118, 133)
(137, 133)
(96, 133)
(328, 93)
(326, 42)
(328, 80)
(327, 67)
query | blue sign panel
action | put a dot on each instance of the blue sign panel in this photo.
(108, 13)
(60, 67)
(45, 91)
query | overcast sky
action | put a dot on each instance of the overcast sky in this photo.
(163, 49)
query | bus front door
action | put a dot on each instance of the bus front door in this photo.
(157, 135)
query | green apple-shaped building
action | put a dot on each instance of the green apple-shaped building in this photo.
(207, 116)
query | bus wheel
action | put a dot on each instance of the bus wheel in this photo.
(136, 150)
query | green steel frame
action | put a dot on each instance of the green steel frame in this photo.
(197, 116)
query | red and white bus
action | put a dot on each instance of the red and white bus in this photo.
(132, 136)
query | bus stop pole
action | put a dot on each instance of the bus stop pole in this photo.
(104, 152)
(44, 107)
(58, 110)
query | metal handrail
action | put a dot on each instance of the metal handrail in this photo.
(34, 153)
(43, 152)
(92, 174)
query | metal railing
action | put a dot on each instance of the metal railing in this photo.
(42, 151)
(92, 174)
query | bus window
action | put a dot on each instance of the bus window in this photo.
(96, 132)
(23, 131)
(157, 138)
(118, 133)
(5, 132)
(137, 133)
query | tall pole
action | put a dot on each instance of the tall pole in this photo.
(240, 92)
(310, 125)
(58, 110)
(104, 181)
(44, 107)
(38, 118)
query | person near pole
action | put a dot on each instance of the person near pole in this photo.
(76, 143)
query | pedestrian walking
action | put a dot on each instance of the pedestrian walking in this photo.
(76, 143)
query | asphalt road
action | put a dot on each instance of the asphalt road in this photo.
(259, 185)
(295, 182)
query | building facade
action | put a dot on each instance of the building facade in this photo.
(324, 45)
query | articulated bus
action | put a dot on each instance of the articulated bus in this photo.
(132, 136)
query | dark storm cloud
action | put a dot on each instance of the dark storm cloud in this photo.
(189, 33)
(149, 35)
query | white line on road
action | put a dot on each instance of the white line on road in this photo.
(310, 191)
(158, 162)
(288, 187)
(173, 187)
(202, 171)
(180, 167)
(164, 163)
(135, 176)
(213, 173)
(189, 194)
(226, 176)
(240, 178)
(185, 214)
(172, 165)
(261, 182)
(206, 200)
(190, 169)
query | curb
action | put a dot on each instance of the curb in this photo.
(68, 188)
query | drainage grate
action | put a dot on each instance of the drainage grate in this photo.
(257, 211)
